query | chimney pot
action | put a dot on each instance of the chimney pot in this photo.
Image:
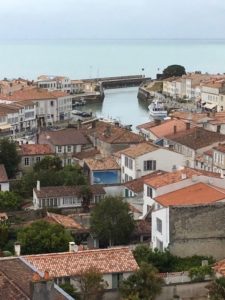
(46, 275)
(17, 248)
(36, 277)
(38, 185)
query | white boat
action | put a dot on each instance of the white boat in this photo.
(157, 109)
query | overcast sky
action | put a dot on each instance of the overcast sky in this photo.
(112, 19)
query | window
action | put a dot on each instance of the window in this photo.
(69, 161)
(126, 178)
(130, 178)
(26, 161)
(149, 165)
(59, 149)
(149, 192)
(126, 161)
(159, 225)
(52, 103)
(116, 280)
(69, 148)
(159, 244)
(38, 159)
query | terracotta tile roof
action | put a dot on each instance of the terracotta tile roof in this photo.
(139, 150)
(113, 134)
(215, 84)
(86, 154)
(106, 163)
(15, 278)
(167, 128)
(199, 193)
(158, 181)
(67, 136)
(35, 149)
(220, 267)
(149, 124)
(111, 260)
(137, 185)
(65, 221)
(30, 94)
(3, 174)
(64, 191)
(196, 138)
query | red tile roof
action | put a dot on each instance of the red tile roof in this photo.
(106, 163)
(199, 193)
(86, 154)
(167, 128)
(196, 138)
(65, 221)
(15, 278)
(139, 150)
(111, 260)
(160, 180)
(3, 174)
(137, 185)
(112, 134)
(63, 191)
(62, 137)
(35, 149)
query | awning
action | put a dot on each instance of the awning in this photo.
(5, 127)
(210, 105)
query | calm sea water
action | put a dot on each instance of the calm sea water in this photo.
(98, 58)
(123, 105)
(91, 58)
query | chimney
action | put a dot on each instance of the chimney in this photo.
(17, 248)
(73, 247)
(42, 288)
(174, 129)
(188, 125)
(38, 185)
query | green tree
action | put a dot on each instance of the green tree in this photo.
(10, 201)
(43, 237)
(9, 156)
(112, 221)
(173, 70)
(4, 234)
(49, 163)
(91, 285)
(69, 289)
(217, 289)
(69, 175)
(144, 284)
(86, 194)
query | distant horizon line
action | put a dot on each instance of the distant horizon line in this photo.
(112, 39)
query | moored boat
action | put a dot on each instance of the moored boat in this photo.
(157, 109)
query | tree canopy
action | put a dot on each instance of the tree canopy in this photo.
(111, 221)
(43, 237)
(173, 70)
(9, 156)
(91, 285)
(9, 201)
(144, 284)
(164, 261)
(217, 289)
(49, 163)
(69, 175)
